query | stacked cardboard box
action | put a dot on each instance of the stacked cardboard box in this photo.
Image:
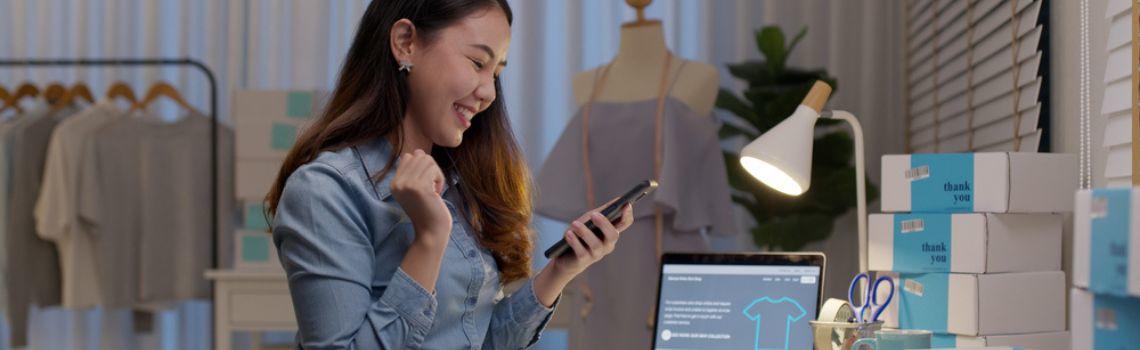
(1105, 311)
(266, 124)
(973, 243)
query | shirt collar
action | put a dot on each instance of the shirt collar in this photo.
(375, 156)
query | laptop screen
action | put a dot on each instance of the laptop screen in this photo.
(735, 306)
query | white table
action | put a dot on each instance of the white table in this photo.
(250, 301)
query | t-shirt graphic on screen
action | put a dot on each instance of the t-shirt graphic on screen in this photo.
(774, 319)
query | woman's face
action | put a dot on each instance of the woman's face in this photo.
(454, 75)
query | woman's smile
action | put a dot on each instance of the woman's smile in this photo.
(464, 114)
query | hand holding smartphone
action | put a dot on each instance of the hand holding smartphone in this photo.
(612, 213)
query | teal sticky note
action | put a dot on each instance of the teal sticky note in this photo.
(255, 248)
(282, 136)
(299, 104)
(255, 217)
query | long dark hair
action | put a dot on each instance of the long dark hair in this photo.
(369, 101)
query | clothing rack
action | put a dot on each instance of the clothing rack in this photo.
(154, 62)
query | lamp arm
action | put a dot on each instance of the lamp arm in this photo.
(860, 180)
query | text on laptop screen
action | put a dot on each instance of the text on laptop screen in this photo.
(736, 306)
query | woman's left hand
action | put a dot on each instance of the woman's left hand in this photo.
(593, 249)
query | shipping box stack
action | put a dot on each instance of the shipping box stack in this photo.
(973, 243)
(267, 124)
(1105, 312)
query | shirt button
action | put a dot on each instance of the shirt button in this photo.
(427, 312)
(471, 301)
(470, 253)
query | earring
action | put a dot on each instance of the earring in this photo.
(406, 66)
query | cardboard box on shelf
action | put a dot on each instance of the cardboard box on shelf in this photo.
(1103, 322)
(1106, 241)
(979, 182)
(255, 177)
(267, 122)
(965, 243)
(978, 304)
(255, 251)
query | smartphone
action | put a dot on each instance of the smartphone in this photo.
(612, 213)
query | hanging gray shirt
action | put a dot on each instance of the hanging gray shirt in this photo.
(148, 202)
(33, 264)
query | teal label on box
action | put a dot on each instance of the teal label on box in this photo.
(1108, 241)
(255, 217)
(282, 136)
(1115, 322)
(941, 183)
(299, 104)
(924, 301)
(255, 248)
(922, 242)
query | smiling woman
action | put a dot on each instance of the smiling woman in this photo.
(401, 213)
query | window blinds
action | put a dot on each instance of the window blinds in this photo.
(1116, 108)
(973, 75)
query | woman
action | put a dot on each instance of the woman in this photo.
(395, 234)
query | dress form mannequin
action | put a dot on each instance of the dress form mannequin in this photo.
(650, 111)
(635, 71)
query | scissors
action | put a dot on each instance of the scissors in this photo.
(869, 304)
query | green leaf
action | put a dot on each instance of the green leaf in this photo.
(727, 130)
(770, 41)
(726, 100)
(793, 232)
(796, 41)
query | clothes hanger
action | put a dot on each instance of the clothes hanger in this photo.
(5, 96)
(70, 96)
(56, 95)
(161, 89)
(24, 90)
(122, 90)
(81, 90)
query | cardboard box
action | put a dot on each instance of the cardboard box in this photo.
(1036, 341)
(267, 122)
(254, 177)
(978, 304)
(1104, 322)
(979, 182)
(255, 251)
(1106, 241)
(966, 243)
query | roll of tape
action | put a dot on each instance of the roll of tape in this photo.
(836, 310)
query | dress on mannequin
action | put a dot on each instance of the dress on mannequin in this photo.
(609, 147)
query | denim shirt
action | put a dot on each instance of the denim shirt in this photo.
(341, 237)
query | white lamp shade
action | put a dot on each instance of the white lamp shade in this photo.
(781, 157)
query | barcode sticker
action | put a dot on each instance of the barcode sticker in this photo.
(1106, 319)
(1098, 208)
(913, 225)
(918, 173)
(913, 287)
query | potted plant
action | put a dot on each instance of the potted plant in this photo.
(773, 92)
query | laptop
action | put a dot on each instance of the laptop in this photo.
(737, 301)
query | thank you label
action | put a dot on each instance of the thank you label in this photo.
(922, 242)
(1108, 241)
(941, 183)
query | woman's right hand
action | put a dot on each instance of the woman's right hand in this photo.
(418, 187)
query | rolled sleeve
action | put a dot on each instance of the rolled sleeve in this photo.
(518, 320)
(410, 300)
